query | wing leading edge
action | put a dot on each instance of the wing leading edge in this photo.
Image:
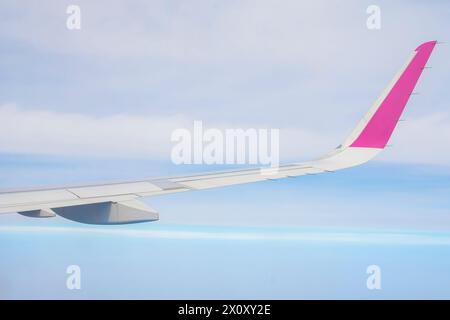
(117, 203)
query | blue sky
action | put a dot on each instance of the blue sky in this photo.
(99, 104)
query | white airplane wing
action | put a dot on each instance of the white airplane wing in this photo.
(117, 203)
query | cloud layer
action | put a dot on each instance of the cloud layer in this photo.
(361, 238)
(120, 135)
(134, 73)
(421, 140)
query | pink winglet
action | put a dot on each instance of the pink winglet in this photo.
(378, 130)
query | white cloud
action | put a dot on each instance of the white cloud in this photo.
(337, 62)
(247, 31)
(423, 139)
(45, 132)
(341, 65)
(380, 238)
(419, 140)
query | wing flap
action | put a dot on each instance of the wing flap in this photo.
(35, 197)
(207, 182)
(114, 189)
(62, 203)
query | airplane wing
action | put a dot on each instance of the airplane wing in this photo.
(117, 203)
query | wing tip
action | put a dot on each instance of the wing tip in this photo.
(429, 45)
(379, 127)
